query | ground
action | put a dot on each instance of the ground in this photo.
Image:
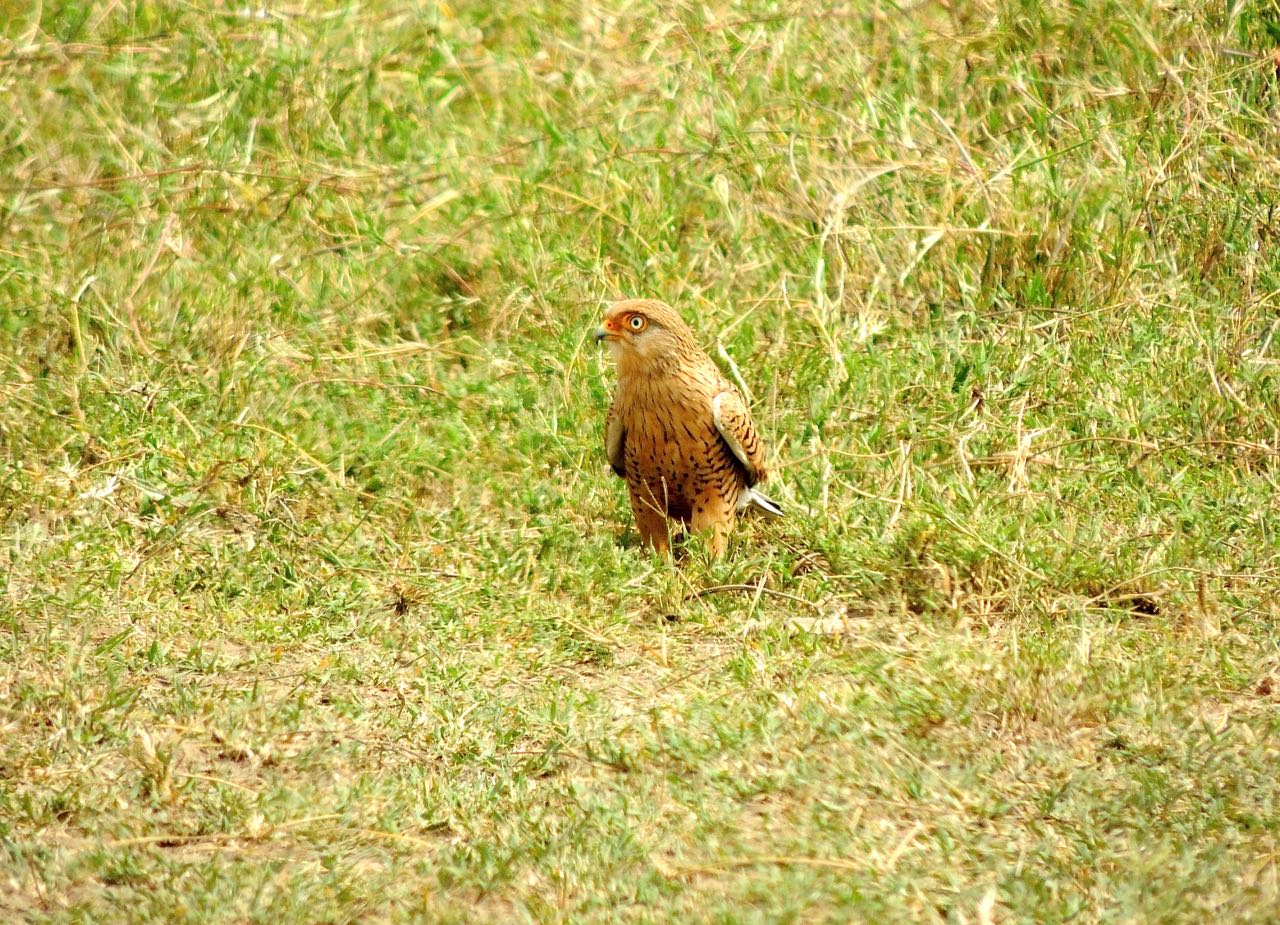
(318, 602)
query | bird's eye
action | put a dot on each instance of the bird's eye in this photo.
(637, 323)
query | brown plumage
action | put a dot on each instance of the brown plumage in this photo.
(678, 432)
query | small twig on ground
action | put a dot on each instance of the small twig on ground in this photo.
(753, 589)
(774, 860)
(179, 838)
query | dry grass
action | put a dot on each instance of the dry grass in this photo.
(318, 602)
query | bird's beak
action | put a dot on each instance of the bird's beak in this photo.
(603, 333)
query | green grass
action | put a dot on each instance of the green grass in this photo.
(319, 604)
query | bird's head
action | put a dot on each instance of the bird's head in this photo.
(644, 330)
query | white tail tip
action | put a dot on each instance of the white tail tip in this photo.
(762, 503)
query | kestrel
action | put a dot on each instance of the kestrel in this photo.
(677, 431)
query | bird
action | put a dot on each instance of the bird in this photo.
(677, 431)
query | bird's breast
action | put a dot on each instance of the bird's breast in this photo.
(672, 446)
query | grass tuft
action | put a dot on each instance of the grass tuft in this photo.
(317, 602)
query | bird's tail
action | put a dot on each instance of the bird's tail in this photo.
(761, 502)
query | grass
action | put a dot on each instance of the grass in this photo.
(318, 603)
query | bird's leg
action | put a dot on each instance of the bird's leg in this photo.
(719, 540)
(717, 517)
(651, 520)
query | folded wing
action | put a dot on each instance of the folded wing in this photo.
(733, 421)
(615, 442)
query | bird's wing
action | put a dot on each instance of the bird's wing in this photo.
(733, 420)
(615, 441)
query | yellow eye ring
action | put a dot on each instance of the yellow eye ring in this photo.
(637, 323)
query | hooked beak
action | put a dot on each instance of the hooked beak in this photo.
(603, 333)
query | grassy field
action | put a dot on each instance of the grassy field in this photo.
(318, 602)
